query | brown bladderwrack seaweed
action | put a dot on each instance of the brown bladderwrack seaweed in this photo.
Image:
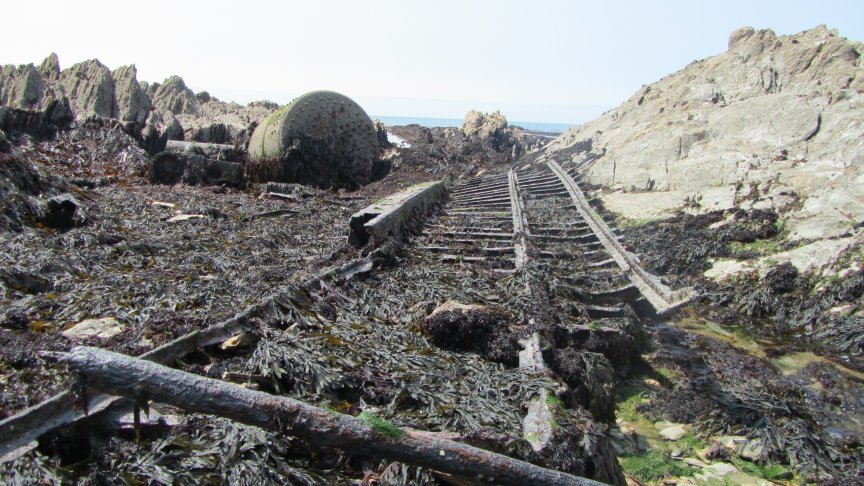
(465, 327)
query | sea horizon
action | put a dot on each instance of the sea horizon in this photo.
(457, 123)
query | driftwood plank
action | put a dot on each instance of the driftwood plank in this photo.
(135, 378)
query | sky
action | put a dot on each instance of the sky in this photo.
(539, 61)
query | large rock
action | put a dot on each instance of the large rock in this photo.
(774, 122)
(484, 126)
(50, 67)
(174, 97)
(21, 87)
(132, 103)
(30, 100)
(591, 379)
(322, 138)
(103, 328)
(160, 128)
(90, 89)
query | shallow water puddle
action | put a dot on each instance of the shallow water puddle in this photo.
(704, 327)
(792, 363)
(810, 370)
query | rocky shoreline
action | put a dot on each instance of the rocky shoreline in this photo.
(757, 381)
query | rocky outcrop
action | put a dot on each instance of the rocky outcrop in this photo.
(90, 89)
(381, 131)
(21, 87)
(40, 100)
(491, 130)
(29, 101)
(50, 67)
(773, 123)
(484, 126)
(131, 102)
(174, 97)
(321, 138)
(483, 141)
(159, 129)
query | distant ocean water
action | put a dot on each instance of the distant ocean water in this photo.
(455, 122)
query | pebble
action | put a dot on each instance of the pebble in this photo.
(104, 328)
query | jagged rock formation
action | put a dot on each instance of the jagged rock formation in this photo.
(131, 102)
(321, 138)
(31, 100)
(90, 88)
(775, 123)
(173, 96)
(491, 129)
(478, 125)
(44, 99)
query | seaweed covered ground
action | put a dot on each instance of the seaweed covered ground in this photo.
(762, 376)
(87, 239)
(772, 361)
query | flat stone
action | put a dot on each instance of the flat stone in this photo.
(720, 469)
(732, 442)
(816, 257)
(692, 461)
(723, 269)
(673, 433)
(644, 205)
(752, 450)
(104, 327)
(743, 479)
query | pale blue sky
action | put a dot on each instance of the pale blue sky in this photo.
(544, 61)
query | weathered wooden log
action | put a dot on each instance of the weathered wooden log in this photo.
(367, 435)
(20, 430)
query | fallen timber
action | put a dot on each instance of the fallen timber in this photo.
(19, 432)
(661, 297)
(367, 264)
(130, 377)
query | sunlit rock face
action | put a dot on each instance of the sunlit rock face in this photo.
(772, 123)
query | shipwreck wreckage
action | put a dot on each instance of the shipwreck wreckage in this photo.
(500, 223)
